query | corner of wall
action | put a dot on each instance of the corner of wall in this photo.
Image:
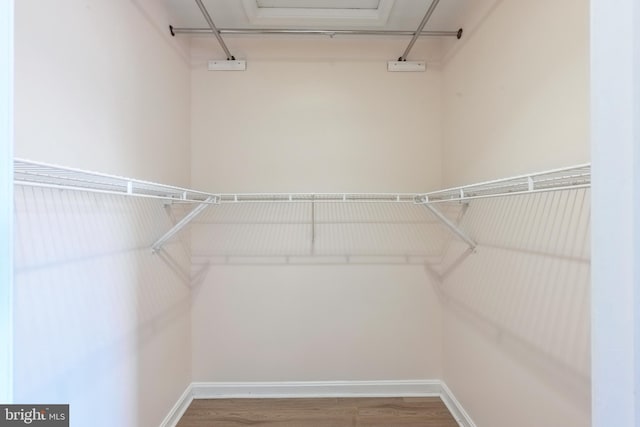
(179, 408)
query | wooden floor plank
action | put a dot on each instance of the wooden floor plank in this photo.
(329, 412)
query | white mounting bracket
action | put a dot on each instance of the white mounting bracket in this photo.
(406, 66)
(228, 65)
(183, 222)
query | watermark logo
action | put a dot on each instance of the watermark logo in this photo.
(34, 415)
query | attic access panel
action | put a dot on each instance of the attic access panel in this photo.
(320, 4)
(294, 13)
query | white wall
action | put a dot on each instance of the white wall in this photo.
(516, 312)
(99, 320)
(516, 317)
(305, 323)
(315, 115)
(100, 323)
(102, 86)
(615, 147)
(515, 92)
(6, 195)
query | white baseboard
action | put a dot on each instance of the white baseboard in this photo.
(313, 389)
(179, 408)
(454, 406)
(316, 389)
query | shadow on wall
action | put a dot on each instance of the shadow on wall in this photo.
(526, 287)
(321, 233)
(316, 233)
(96, 314)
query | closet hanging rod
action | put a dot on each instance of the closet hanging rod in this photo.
(320, 32)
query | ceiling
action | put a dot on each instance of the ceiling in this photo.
(320, 14)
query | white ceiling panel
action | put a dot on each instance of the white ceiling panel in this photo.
(343, 14)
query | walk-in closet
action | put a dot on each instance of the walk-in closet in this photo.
(218, 203)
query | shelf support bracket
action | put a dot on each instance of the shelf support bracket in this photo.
(182, 223)
(453, 227)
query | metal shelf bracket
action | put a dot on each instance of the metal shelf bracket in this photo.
(183, 222)
(453, 227)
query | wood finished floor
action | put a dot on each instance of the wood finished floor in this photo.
(388, 412)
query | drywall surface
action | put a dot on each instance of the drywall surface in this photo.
(325, 292)
(315, 115)
(515, 92)
(100, 322)
(306, 323)
(516, 311)
(103, 87)
(615, 148)
(6, 195)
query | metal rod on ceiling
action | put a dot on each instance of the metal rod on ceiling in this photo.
(427, 15)
(214, 29)
(321, 32)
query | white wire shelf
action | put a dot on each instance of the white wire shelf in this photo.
(37, 174)
(573, 177)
